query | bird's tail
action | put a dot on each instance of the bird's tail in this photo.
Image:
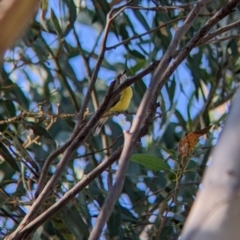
(99, 126)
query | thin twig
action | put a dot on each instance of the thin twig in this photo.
(158, 8)
(211, 37)
(93, 95)
(164, 219)
(218, 40)
(223, 100)
(215, 84)
(63, 75)
(88, 70)
(219, 31)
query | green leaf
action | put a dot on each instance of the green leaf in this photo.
(114, 223)
(40, 131)
(8, 157)
(141, 63)
(56, 23)
(127, 215)
(150, 162)
(72, 15)
(123, 32)
(9, 106)
(181, 120)
(102, 8)
(171, 89)
(3, 198)
(142, 19)
(67, 68)
(75, 222)
(136, 54)
(139, 90)
(17, 144)
(12, 88)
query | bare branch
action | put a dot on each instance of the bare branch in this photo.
(33, 225)
(217, 40)
(116, 189)
(159, 8)
(212, 35)
(61, 149)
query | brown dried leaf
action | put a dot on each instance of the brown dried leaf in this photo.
(187, 144)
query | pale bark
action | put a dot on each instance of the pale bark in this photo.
(14, 17)
(216, 212)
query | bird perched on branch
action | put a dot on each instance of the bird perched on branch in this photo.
(118, 104)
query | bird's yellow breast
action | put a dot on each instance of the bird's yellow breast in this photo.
(124, 101)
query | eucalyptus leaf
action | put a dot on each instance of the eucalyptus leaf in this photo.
(150, 162)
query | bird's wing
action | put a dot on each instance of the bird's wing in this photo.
(120, 78)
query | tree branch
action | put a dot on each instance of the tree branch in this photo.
(60, 150)
(33, 225)
(114, 191)
(212, 35)
(160, 77)
(62, 164)
(218, 40)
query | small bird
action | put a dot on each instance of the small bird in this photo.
(119, 103)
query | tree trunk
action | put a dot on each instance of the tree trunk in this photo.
(14, 16)
(216, 212)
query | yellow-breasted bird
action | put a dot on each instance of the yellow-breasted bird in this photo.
(119, 104)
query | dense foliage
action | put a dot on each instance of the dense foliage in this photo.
(45, 78)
